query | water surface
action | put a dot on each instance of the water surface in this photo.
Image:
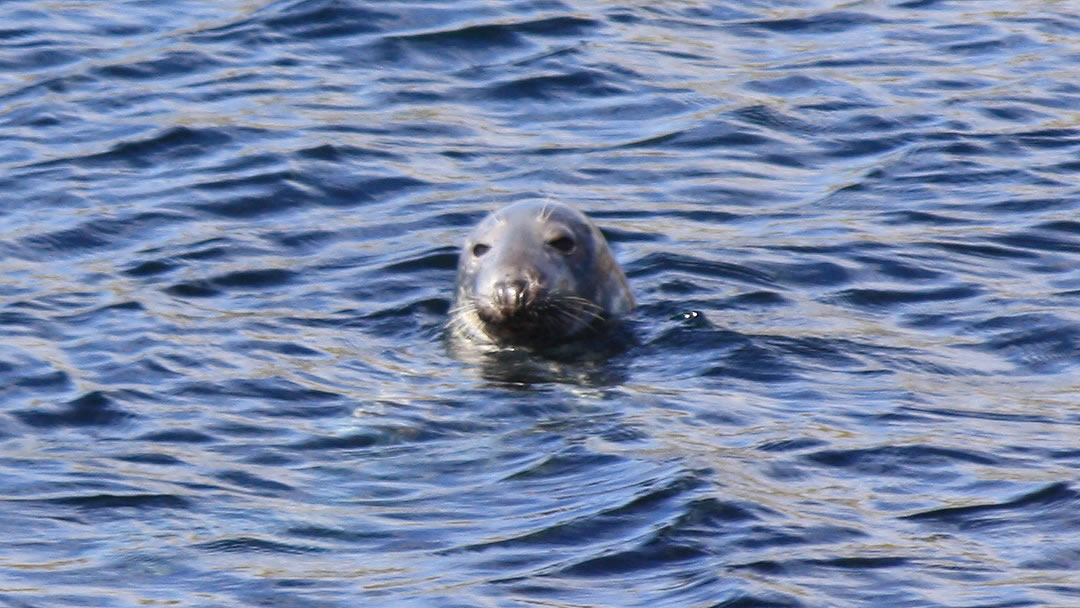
(228, 237)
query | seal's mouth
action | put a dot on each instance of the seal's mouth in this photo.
(536, 324)
(536, 321)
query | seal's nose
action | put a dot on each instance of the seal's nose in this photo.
(511, 295)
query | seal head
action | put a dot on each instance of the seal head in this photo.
(536, 274)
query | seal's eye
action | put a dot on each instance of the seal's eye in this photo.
(480, 249)
(564, 244)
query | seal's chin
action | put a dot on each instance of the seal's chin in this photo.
(526, 327)
(527, 335)
(539, 324)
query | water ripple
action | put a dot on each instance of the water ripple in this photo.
(230, 239)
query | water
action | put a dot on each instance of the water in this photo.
(229, 233)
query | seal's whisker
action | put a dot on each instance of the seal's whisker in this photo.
(583, 301)
(577, 314)
(591, 315)
(460, 317)
(548, 209)
(586, 307)
(568, 316)
(577, 298)
(463, 307)
(582, 324)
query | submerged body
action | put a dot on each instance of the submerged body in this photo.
(536, 274)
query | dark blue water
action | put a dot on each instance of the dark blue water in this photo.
(228, 235)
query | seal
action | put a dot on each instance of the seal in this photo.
(536, 274)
